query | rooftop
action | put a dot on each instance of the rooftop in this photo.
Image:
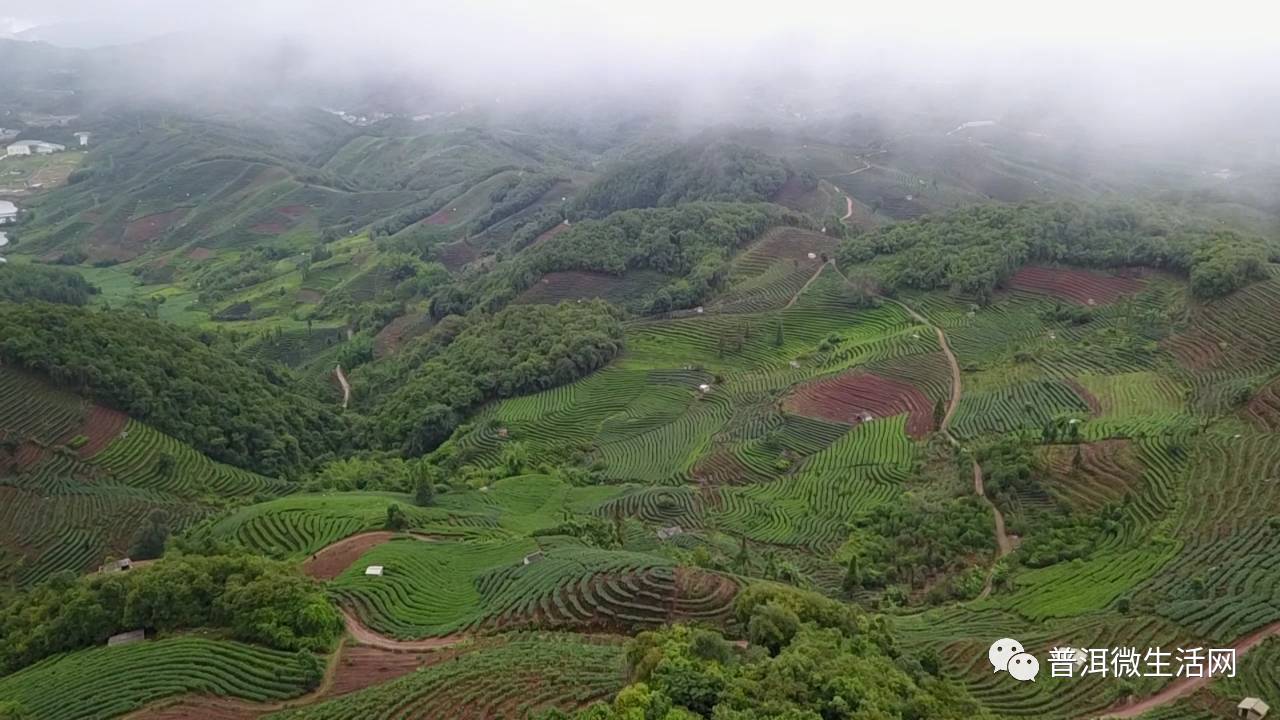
(1253, 704)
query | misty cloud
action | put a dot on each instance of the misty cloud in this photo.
(1135, 70)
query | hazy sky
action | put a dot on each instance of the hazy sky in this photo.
(1114, 58)
(640, 30)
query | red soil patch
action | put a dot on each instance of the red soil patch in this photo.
(28, 455)
(549, 234)
(199, 253)
(294, 211)
(1108, 470)
(1095, 407)
(722, 467)
(456, 254)
(361, 666)
(796, 244)
(404, 328)
(1195, 350)
(439, 217)
(202, 707)
(1263, 408)
(332, 561)
(1083, 287)
(270, 227)
(570, 285)
(101, 426)
(791, 192)
(310, 296)
(148, 228)
(847, 398)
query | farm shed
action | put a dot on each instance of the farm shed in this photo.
(667, 533)
(532, 558)
(374, 570)
(8, 212)
(1252, 709)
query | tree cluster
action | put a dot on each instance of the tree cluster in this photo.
(810, 657)
(717, 171)
(192, 385)
(912, 543)
(975, 250)
(691, 243)
(253, 599)
(417, 397)
(37, 283)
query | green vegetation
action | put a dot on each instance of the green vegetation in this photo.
(254, 600)
(523, 675)
(849, 667)
(912, 544)
(570, 383)
(698, 172)
(192, 386)
(35, 283)
(975, 251)
(108, 682)
(416, 398)
(692, 243)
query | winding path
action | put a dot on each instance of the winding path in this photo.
(1182, 687)
(364, 635)
(346, 386)
(1004, 546)
(806, 284)
(848, 200)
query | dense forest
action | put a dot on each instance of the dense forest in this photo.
(37, 282)
(975, 250)
(192, 385)
(691, 243)
(718, 171)
(415, 399)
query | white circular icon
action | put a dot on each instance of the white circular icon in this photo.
(1024, 666)
(1000, 652)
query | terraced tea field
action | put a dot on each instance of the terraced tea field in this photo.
(108, 682)
(437, 588)
(78, 479)
(527, 674)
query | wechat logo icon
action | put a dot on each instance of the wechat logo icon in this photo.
(1008, 655)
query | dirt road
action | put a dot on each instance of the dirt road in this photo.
(346, 386)
(1004, 545)
(1183, 687)
(806, 285)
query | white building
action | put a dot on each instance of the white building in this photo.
(39, 147)
(8, 212)
(83, 137)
